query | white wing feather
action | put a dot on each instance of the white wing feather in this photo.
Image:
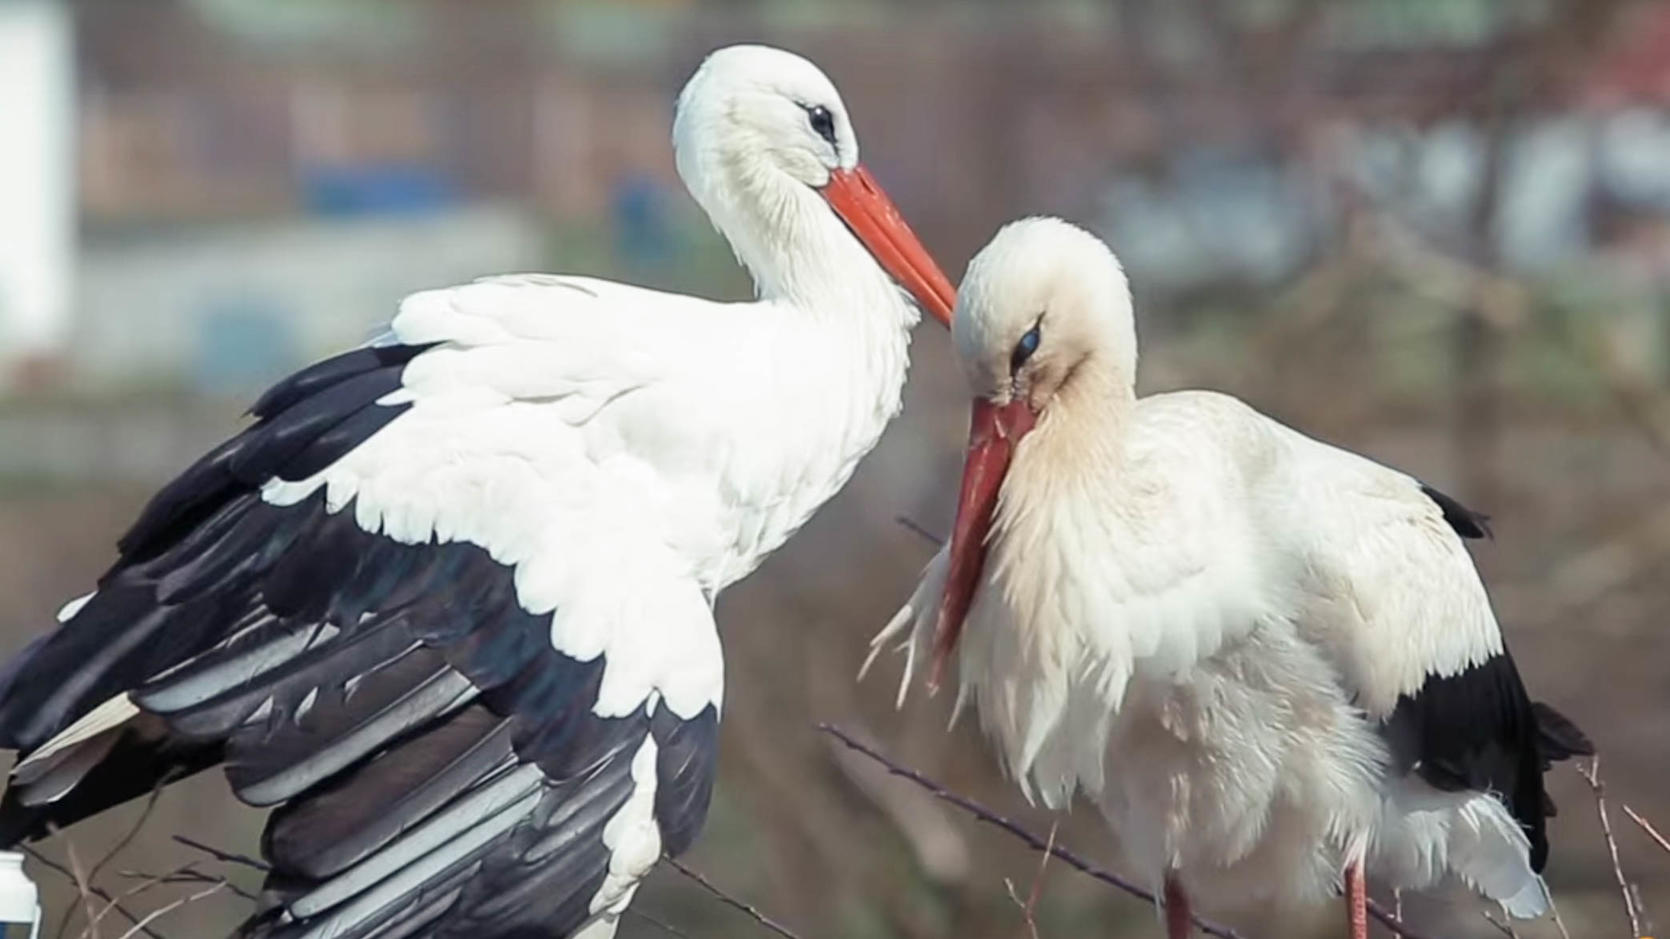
(564, 425)
(1388, 588)
(1223, 520)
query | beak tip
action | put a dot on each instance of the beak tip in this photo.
(936, 675)
(872, 217)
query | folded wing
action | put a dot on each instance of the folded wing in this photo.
(412, 607)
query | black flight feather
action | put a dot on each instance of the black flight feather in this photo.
(332, 668)
(1466, 522)
(1479, 730)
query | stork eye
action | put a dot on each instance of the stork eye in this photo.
(823, 123)
(1027, 345)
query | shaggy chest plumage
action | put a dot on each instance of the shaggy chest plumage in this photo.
(1223, 633)
(1269, 661)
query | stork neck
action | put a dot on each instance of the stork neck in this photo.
(801, 254)
(1082, 432)
(841, 332)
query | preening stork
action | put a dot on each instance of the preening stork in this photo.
(447, 603)
(1268, 661)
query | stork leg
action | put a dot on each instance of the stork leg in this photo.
(1179, 919)
(1356, 900)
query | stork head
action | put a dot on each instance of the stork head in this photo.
(756, 128)
(1043, 312)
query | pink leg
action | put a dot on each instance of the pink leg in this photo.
(1356, 900)
(1179, 921)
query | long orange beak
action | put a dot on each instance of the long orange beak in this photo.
(856, 198)
(992, 435)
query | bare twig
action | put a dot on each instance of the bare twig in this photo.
(1029, 906)
(226, 856)
(149, 882)
(731, 901)
(1038, 844)
(127, 838)
(1031, 840)
(992, 818)
(52, 865)
(658, 923)
(83, 888)
(190, 875)
(1026, 915)
(84, 881)
(1592, 775)
(1641, 910)
(1038, 879)
(1559, 921)
(162, 911)
(1647, 827)
(88, 889)
(912, 526)
(1502, 927)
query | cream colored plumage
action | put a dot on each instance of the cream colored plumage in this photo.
(1201, 619)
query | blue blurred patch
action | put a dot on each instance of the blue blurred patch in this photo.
(642, 235)
(376, 189)
(243, 344)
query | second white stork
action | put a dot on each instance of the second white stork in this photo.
(446, 605)
(1268, 661)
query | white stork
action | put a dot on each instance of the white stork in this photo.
(447, 604)
(1268, 661)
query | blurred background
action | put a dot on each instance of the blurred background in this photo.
(1436, 231)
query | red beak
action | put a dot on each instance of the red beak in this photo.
(992, 435)
(856, 198)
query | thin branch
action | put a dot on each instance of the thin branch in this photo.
(190, 875)
(1028, 838)
(665, 927)
(1038, 879)
(1592, 775)
(1393, 921)
(912, 526)
(52, 865)
(1501, 926)
(1029, 906)
(1641, 910)
(149, 882)
(1559, 921)
(1026, 914)
(731, 901)
(226, 856)
(1647, 827)
(1038, 844)
(165, 910)
(132, 833)
(83, 889)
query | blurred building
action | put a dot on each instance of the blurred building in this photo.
(209, 130)
(37, 181)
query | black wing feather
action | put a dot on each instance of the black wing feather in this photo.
(1479, 730)
(307, 399)
(368, 686)
(331, 372)
(1466, 522)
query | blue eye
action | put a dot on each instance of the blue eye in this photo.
(823, 123)
(1027, 345)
